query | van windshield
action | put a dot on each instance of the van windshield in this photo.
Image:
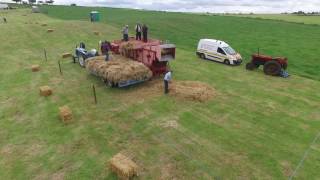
(229, 50)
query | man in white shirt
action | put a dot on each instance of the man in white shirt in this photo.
(125, 32)
(167, 78)
(138, 31)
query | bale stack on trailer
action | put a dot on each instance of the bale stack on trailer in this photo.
(119, 71)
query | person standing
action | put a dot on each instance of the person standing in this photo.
(105, 48)
(145, 33)
(125, 32)
(138, 31)
(167, 78)
(4, 20)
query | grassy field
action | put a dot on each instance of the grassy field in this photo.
(314, 20)
(296, 41)
(256, 127)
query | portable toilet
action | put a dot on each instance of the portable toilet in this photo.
(94, 16)
(35, 9)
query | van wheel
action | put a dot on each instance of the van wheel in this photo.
(227, 62)
(202, 56)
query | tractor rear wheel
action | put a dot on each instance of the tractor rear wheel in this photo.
(82, 61)
(250, 66)
(272, 68)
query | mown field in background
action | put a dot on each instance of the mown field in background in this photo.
(296, 41)
(256, 127)
(312, 20)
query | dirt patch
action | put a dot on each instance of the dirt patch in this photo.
(170, 124)
(7, 150)
(58, 176)
(286, 168)
(168, 171)
(123, 166)
(192, 90)
(117, 70)
(142, 92)
(97, 33)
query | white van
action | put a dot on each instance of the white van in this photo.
(218, 51)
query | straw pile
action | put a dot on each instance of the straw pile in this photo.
(119, 69)
(124, 167)
(43, 25)
(125, 49)
(35, 68)
(50, 30)
(66, 55)
(191, 90)
(65, 114)
(45, 91)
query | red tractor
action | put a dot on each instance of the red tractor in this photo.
(271, 65)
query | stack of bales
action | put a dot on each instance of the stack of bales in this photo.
(119, 69)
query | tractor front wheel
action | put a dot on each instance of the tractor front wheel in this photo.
(250, 66)
(82, 61)
(272, 68)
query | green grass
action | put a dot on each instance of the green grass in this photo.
(257, 127)
(296, 41)
(314, 20)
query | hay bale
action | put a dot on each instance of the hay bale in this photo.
(65, 114)
(192, 90)
(35, 68)
(96, 33)
(43, 25)
(45, 91)
(117, 70)
(50, 30)
(66, 55)
(123, 166)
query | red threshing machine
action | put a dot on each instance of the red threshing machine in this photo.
(154, 54)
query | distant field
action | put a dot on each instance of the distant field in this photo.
(287, 17)
(256, 127)
(296, 41)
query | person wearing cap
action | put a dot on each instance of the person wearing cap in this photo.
(167, 78)
(125, 32)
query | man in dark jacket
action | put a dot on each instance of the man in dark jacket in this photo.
(5, 20)
(138, 31)
(145, 33)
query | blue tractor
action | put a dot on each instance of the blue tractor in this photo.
(81, 54)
